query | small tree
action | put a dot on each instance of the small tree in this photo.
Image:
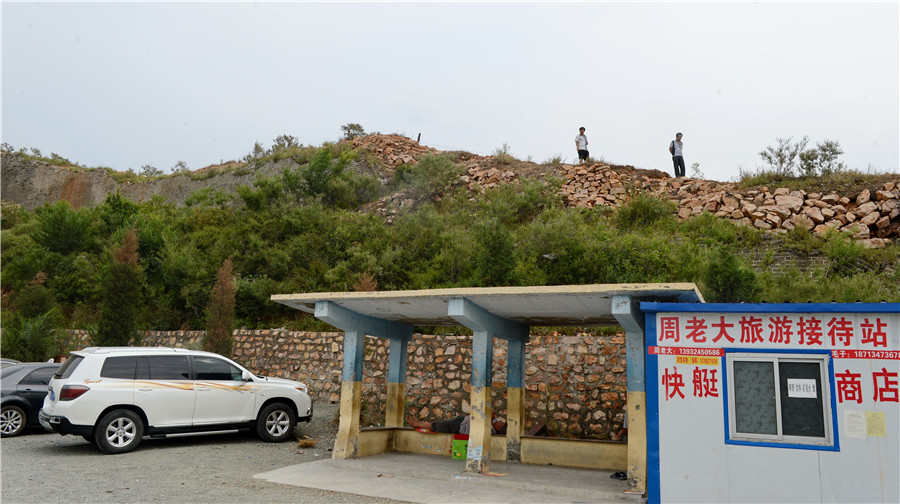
(823, 160)
(783, 158)
(352, 130)
(219, 336)
(150, 171)
(180, 167)
(284, 142)
(120, 296)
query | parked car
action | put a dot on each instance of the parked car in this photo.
(115, 396)
(24, 386)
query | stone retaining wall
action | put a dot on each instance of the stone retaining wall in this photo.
(574, 384)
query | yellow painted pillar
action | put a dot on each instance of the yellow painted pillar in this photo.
(637, 440)
(396, 397)
(478, 458)
(515, 397)
(347, 443)
(515, 423)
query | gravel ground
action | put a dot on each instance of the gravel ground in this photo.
(44, 467)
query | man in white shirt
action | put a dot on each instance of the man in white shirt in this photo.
(676, 148)
(581, 143)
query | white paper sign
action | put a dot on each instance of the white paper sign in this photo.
(855, 424)
(802, 387)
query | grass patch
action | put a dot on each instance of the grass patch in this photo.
(847, 183)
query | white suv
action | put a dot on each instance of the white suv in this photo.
(114, 396)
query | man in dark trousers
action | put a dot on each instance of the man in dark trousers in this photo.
(581, 143)
(676, 149)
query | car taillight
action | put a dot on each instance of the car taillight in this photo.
(70, 392)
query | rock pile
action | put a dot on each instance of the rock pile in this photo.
(393, 150)
(478, 177)
(590, 186)
(871, 216)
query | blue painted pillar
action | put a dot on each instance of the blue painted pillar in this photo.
(515, 399)
(396, 386)
(627, 312)
(485, 327)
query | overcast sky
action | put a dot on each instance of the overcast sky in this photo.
(128, 84)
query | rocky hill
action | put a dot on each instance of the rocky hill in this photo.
(867, 213)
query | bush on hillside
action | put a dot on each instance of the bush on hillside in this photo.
(645, 211)
(61, 229)
(727, 281)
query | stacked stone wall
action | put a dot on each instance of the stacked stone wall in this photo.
(575, 384)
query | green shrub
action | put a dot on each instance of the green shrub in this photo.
(432, 175)
(725, 280)
(31, 339)
(116, 211)
(61, 229)
(645, 212)
(502, 154)
(845, 255)
(34, 300)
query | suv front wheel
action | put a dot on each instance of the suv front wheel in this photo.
(119, 431)
(275, 422)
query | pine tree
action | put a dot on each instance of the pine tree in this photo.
(120, 296)
(219, 336)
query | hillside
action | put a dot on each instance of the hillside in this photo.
(384, 213)
(867, 210)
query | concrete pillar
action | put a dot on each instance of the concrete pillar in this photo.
(479, 454)
(629, 316)
(347, 442)
(396, 387)
(515, 399)
(485, 327)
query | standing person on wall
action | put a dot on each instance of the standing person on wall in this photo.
(676, 149)
(581, 143)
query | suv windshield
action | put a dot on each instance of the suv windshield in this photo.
(68, 367)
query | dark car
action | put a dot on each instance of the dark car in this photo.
(24, 386)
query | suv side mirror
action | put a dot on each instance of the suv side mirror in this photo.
(246, 376)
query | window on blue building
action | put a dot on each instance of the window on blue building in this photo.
(779, 398)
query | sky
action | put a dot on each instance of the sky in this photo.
(124, 85)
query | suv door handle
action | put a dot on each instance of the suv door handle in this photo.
(201, 389)
(145, 389)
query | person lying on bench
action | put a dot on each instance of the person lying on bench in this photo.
(455, 425)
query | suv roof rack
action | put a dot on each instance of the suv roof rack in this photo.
(100, 350)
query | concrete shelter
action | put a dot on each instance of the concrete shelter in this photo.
(494, 312)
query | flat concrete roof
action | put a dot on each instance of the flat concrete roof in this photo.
(555, 305)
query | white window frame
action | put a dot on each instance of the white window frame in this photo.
(775, 358)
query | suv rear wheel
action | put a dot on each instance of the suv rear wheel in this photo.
(12, 421)
(275, 422)
(119, 431)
